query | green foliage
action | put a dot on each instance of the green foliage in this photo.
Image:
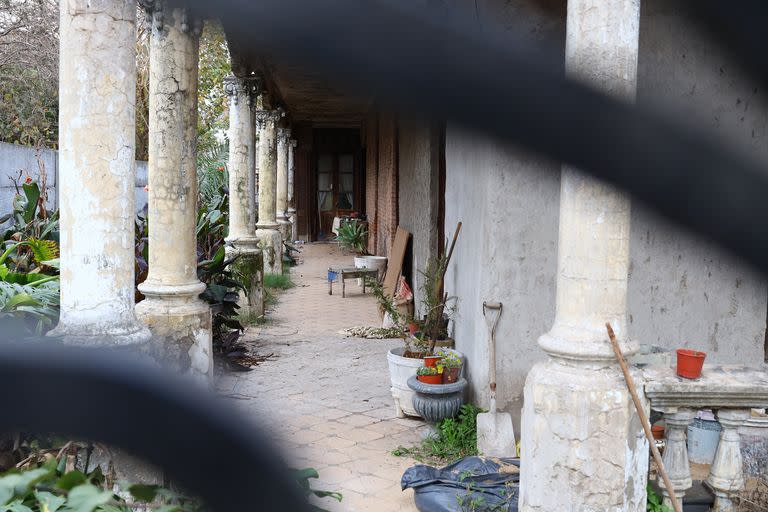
(654, 503)
(29, 288)
(28, 108)
(29, 307)
(222, 293)
(49, 488)
(426, 370)
(28, 71)
(212, 176)
(278, 281)
(448, 359)
(353, 235)
(456, 438)
(29, 219)
(303, 476)
(213, 120)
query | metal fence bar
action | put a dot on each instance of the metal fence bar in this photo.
(413, 62)
(518, 93)
(206, 446)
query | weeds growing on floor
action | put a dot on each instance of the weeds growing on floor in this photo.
(273, 285)
(278, 281)
(653, 503)
(755, 497)
(455, 438)
(251, 319)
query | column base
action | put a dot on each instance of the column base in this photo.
(272, 243)
(294, 225)
(181, 333)
(242, 244)
(582, 441)
(129, 334)
(285, 228)
(248, 269)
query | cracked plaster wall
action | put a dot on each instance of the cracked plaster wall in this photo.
(682, 290)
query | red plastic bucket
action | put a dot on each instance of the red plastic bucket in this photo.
(689, 363)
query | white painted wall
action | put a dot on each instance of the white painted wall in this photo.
(14, 157)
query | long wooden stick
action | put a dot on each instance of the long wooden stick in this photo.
(643, 419)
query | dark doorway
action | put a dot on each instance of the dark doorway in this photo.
(338, 177)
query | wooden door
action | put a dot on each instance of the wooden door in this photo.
(338, 180)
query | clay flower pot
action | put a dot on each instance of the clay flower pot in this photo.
(431, 361)
(431, 379)
(658, 432)
(451, 375)
(689, 363)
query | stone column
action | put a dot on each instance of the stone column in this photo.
(582, 441)
(97, 91)
(283, 138)
(242, 242)
(179, 320)
(292, 189)
(726, 475)
(676, 455)
(267, 227)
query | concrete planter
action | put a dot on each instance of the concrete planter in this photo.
(436, 402)
(378, 263)
(400, 370)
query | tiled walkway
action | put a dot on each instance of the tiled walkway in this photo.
(324, 397)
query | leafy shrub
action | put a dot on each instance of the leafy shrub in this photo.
(50, 487)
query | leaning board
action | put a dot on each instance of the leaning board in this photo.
(395, 265)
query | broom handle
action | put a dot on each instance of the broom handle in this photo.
(643, 419)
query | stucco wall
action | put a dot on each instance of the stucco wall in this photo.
(507, 252)
(682, 290)
(418, 201)
(15, 158)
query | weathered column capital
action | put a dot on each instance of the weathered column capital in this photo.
(283, 136)
(240, 88)
(158, 10)
(267, 116)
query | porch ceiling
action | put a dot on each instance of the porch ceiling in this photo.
(310, 98)
(307, 95)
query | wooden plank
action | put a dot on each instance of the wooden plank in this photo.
(395, 263)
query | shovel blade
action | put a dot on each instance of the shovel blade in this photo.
(495, 435)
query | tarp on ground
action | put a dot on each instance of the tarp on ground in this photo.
(472, 483)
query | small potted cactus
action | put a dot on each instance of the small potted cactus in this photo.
(429, 375)
(451, 366)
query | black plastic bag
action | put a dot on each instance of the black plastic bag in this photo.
(469, 484)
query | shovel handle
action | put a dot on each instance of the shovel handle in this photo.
(494, 306)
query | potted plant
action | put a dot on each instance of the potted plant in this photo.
(437, 307)
(403, 361)
(432, 360)
(353, 235)
(429, 375)
(451, 365)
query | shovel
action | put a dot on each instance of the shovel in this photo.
(495, 434)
